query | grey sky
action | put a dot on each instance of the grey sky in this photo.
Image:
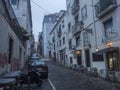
(51, 6)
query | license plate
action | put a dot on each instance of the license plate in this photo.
(39, 68)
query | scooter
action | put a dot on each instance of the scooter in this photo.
(35, 77)
(30, 77)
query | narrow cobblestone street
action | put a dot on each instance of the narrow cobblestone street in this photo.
(63, 78)
(66, 79)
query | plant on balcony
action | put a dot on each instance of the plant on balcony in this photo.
(21, 33)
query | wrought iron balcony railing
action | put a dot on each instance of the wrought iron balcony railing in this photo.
(75, 8)
(103, 7)
(76, 29)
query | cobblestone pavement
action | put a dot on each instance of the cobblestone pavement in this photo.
(66, 79)
(45, 86)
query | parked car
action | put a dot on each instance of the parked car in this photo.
(34, 58)
(35, 55)
(41, 66)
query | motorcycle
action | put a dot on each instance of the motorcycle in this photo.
(35, 77)
(30, 77)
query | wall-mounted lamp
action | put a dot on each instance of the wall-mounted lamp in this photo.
(96, 49)
(77, 52)
(109, 44)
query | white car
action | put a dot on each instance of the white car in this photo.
(34, 58)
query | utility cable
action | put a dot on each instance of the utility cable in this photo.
(40, 7)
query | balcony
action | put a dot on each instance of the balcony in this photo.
(53, 39)
(75, 8)
(59, 33)
(103, 7)
(76, 29)
(73, 47)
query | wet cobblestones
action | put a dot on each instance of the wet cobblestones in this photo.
(66, 79)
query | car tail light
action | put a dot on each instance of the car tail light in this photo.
(45, 68)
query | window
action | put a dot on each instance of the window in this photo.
(54, 46)
(10, 49)
(109, 32)
(71, 60)
(59, 42)
(63, 26)
(13, 2)
(86, 40)
(77, 41)
(84, 12)
(76, 19)
(50, 19)
(59, 31)
(70, 44)
(63, 40)
(97, 9)
(69, 27)
(97, 57)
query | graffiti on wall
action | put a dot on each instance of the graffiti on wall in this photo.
(15, 64)
(3, 60)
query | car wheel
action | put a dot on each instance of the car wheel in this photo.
(46, 76)
(39, 83)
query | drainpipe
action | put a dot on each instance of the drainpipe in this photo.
(93, 12)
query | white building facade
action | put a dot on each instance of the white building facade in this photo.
(91, 34)
(48, 23)
(12, 45)
(22, 9)
(58, 38)
(95, 34)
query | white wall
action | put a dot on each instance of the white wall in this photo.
(5, 33)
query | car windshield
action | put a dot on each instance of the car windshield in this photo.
(37, 63)
(34, 58)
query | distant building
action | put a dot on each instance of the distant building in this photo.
(48, 23)
(93, 30)
(58, 38)
(40, 44)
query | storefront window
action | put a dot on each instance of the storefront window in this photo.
(112, 60)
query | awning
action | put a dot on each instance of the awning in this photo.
(105, 50)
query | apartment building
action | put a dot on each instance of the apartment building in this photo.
(107, 35)
(12, 41)
(58, 38)
(22, 9)
(48, 23)
(40, 43)
(94, 36)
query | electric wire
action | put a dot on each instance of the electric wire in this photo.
(40, 6)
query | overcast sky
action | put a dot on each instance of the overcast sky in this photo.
(50, 6)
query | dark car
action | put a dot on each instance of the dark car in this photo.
(41, 67)
(35, 55)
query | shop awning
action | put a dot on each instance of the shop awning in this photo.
(105, 50)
